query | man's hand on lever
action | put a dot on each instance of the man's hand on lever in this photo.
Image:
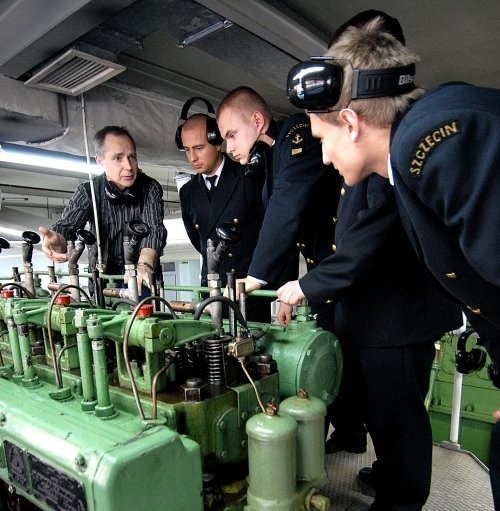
(53, 245)
(291, 293)
(284, 315)
(251, 284)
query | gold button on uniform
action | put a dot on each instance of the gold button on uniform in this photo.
(308, 260)
(342, 191)
(451, 275)
(233, 270)
(335, 219)
(474, 311)
(298, 245)
(328, 301)
(303, 245)
(334, 247)
(230, 254)
(235, 220)
(196, 226)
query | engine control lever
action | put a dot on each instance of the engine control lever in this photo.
(83, 238)
(30, 238)
(136, 231)
(229, 234)
(4, 244)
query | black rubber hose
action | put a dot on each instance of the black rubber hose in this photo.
(228, 302)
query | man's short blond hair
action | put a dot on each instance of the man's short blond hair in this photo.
(370, 47)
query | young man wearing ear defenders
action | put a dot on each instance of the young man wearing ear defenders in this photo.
(388, 314)
(440, 149)
(220, 192)
(298, 217)
(123, 193)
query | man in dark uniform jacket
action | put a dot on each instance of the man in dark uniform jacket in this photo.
(445, 162)
(299, 191)
(445, 158)
(346, 414)
(441, 150)
(218, 193)
(388, 314)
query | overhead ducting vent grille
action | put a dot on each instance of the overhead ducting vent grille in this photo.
(74, 72)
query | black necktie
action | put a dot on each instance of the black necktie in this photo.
(210, 190)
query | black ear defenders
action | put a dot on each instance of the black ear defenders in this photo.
(468, 361)
(260, 155)
(494, 375)
(259, 160)
(213, 133)
(130, 195)
(316, 85)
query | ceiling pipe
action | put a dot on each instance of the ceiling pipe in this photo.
(268, 23)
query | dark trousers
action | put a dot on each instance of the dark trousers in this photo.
(347, 413)
(396, 381)
(258, 309)
(494, 465)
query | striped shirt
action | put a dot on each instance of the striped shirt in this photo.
(113, 219)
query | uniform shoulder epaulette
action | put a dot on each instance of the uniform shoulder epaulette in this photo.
(296, 136)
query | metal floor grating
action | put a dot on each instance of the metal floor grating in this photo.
(459, 481)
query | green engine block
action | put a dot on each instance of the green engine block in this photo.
(149, 414)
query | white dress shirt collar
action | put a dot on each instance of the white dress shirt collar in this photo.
(216, 173)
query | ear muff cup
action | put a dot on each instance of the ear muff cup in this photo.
(259, 160)
(260, 156)
(213, 134)
(467, 362)
(131, 195)
(494, 375)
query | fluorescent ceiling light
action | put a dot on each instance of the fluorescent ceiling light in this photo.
(11, 232)
(219, 25)
(48, 162)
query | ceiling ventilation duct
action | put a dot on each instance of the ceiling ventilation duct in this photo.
(74, 72)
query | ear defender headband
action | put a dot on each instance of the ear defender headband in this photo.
(213, 134)
(316, 85)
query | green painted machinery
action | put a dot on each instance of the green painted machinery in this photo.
(107, 410)
(479, 398)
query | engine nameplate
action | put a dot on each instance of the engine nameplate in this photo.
(57, 489)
